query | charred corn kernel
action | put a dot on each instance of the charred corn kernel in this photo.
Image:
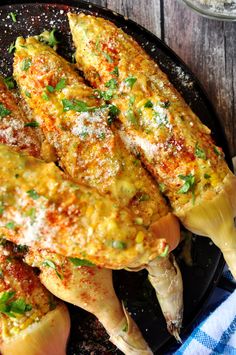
(140, 237)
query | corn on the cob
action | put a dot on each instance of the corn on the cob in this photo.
(89, 149)
(172, 142)
(32, 321)
(72, 220)
(77, 284)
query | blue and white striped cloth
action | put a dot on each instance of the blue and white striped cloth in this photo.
(215, 332)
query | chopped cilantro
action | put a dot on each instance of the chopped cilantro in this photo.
(131, 100)
(32, 214)
(207, 176)
(131, 117)
(10, 225)
(117, 244)
(26, 64)
(11, 48)
(4, 111)
(148, 104)
(1, 208)
(32, 124)
(45, 96)
(33, 194)
(20, 306)
(162, 187)
(27, 94)
(9, 82)
(51, 264)
(76, 105)
(115, 71)
(165, 252)
(112, 84)
(52, 41)
(61, 84)
(113, 113)
(217, 151)
(107, 56)
(13, 16)
(189, 183)
(130, 81)
(50, 88)
(9, 307)
(81, 262)
(199, 153)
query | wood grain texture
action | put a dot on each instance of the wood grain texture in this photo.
(208, 47)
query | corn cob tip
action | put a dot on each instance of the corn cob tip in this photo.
(214, 218)
(48, 336)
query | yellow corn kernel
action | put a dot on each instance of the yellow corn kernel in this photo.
(140, 237)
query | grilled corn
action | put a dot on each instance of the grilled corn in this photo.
(170, 139)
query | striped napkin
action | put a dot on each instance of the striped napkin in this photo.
(215, 332)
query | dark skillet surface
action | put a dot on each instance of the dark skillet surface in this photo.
(199, 280)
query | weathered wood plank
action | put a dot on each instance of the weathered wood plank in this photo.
(209, 49)
(146, 13)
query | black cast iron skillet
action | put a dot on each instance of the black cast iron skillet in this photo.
(199, 280)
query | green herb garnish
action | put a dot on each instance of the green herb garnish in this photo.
(165, 252)
(107, 56)
(189, 183)
(45, 96)
(76, 105)
(11, 48)
(80, 262)
(115, 71)
(207, 176)
(4, 111)
(13, 16)
(131, 117)
(199, 153)
(113, 113)
(51, 264)
(148, 104)
(217, 151)
(33, 194)
(130, 81)
(32, 124)
(112, 84)
(1, 208)
(26, 63)
(9, 307)
(10, 225)
(117, 244)
(52, 41)
(9, 82)
(27, 94)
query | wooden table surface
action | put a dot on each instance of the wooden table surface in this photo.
(208, 47)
